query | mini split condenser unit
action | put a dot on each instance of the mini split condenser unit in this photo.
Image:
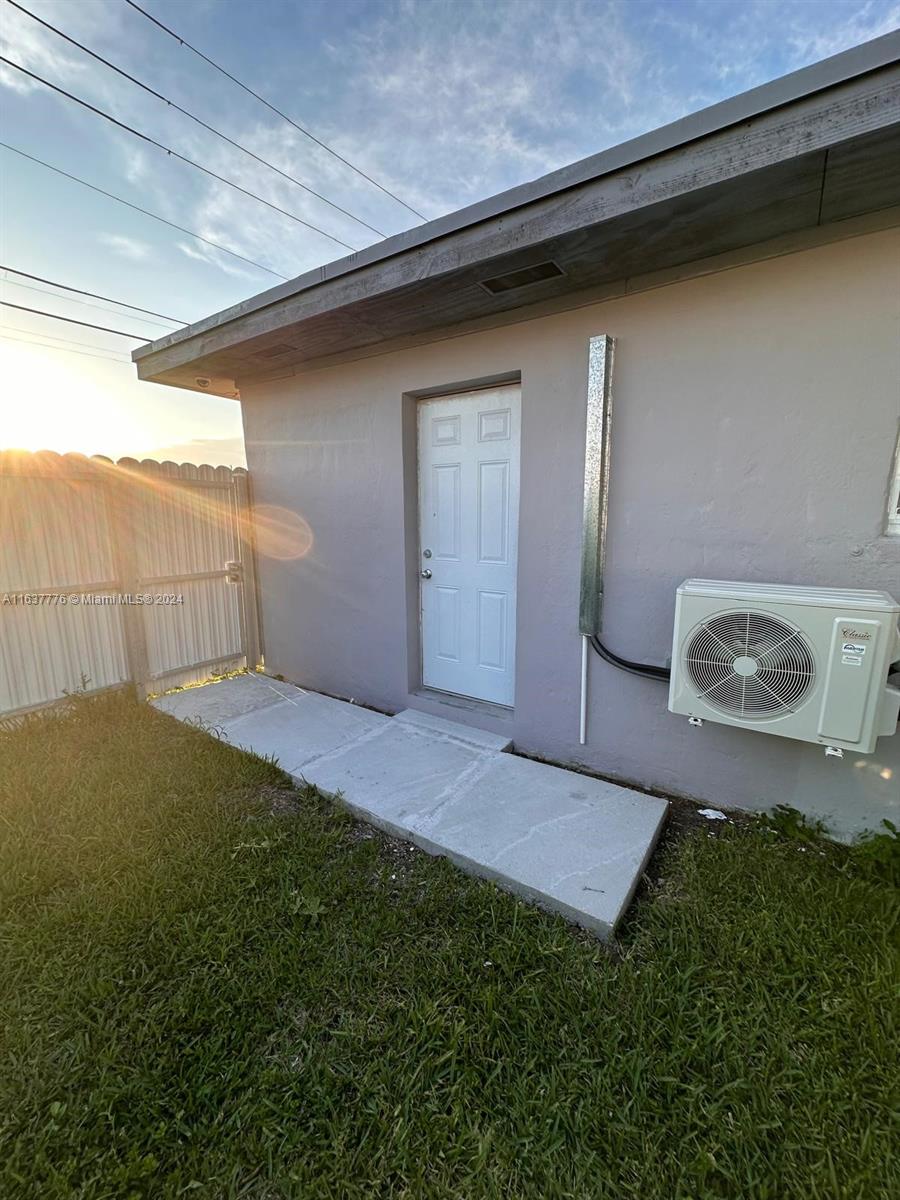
(803, 662)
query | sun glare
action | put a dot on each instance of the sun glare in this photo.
(54, 401)
(73, 403)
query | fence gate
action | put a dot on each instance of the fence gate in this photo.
(115, 572)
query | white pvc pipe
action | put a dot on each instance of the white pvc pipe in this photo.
(582, 735)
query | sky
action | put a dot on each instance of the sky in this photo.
(443, 102)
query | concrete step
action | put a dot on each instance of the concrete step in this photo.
(479, 738)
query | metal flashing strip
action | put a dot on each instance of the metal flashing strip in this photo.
(596, 481)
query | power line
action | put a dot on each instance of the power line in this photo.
(174, 153)
(144, 211)
(139, 337)
(192, 117)
(122, 356)
(29, 287)
(52, 337)
(63, 349)
(277, 111)
(94, 295)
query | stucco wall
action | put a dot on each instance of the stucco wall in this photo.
(756, 412)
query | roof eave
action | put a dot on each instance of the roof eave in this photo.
(788, 90)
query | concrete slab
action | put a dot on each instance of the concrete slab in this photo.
(397, 778)
(481, 738)
(302, 728)
(573, 844)
(218, 702)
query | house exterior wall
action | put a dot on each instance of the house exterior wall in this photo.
(755, 417)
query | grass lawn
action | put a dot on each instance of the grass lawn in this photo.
(201, 997)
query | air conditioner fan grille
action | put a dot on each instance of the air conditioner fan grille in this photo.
(750, 664)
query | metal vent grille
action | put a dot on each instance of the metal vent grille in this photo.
(750, 664)
(523, 278)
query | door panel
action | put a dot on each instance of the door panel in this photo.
(446, 619)
(493, 511)
(445, 496)
(468, 523)
(492, 630)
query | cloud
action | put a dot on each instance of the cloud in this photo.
(15, 81)
(462, 100)
(29, 44)
(730, 48)
(813, 40)
(125, 247)
(224, 215)
(212, 257)
(137, 166)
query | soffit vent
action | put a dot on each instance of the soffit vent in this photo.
(519, 279)
(274, 351)
(750, 664)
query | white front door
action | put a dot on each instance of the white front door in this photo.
(468, 527)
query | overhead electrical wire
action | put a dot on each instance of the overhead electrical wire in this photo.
(120, 355)
(52, 337)
(139, 337)
(63, 349)
(225, 138)
(306, 133)
(174, 153)
(94, 295)
(40, 339)
(144, 211)
(29, 287)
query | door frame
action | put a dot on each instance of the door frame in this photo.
(412, 402)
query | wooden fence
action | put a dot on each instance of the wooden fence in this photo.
(116, 572)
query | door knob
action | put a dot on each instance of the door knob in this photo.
(426, 574)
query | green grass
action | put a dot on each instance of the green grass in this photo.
(202, 999)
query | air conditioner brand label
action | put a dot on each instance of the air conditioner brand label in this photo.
(849, 707)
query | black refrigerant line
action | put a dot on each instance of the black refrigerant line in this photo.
(645, 670)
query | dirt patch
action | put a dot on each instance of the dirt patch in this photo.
(394, 853)
(282, 801)
(396, 857)
(686, 817)
(272, 800)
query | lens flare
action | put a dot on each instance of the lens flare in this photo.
(280, 533)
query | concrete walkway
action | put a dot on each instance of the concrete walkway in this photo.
(570, 843)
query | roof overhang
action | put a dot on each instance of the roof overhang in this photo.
(814, 148)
